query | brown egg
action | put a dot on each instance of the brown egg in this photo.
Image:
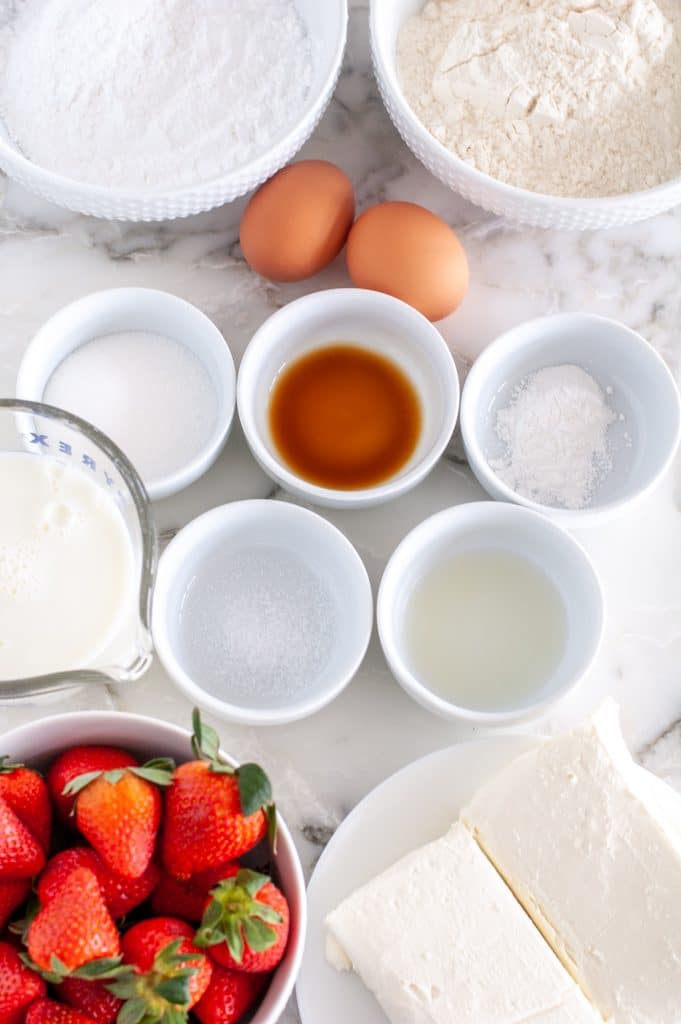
(298, 221)
(405, 250)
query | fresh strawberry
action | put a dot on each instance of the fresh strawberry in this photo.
(74, 928)
(246, 923)
(46, 1011)
(214, 812)
(230, 995)
(119, 812)
(187, 899)
(170, 973)
(21, 856)
(91, 998)
(121, 895)
(13, 892)
(19, 985)
(78, 761)
(28, 796)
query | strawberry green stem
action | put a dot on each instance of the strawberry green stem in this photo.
(236, 917)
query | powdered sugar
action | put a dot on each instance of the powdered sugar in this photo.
(151, 93)
(555, 435)
(556, 96)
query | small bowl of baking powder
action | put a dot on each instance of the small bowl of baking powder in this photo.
(572, 415)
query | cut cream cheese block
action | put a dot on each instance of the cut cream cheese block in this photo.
(590, 843)
(439, 939)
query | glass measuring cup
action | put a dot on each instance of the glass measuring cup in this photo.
(45, 431)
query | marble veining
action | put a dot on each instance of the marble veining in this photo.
(324, 765)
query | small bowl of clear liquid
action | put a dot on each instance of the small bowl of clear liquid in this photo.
(490, 613)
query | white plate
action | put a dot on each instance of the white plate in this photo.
(411, 808)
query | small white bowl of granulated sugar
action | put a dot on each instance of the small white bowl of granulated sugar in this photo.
(572, 415)
(149, 370)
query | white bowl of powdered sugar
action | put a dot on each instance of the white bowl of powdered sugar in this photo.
(572, 415)
(550, 113)
(155, 109)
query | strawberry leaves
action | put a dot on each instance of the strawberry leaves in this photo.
(158, 771)
(255, 789)
(235, 914)
(105, 968)
(161, 996)
(206, 744)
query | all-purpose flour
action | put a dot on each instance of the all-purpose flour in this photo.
(151, 93)
(557, 96)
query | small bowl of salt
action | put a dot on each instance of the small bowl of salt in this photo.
(573, 415)
(146, 368)
(262, 611)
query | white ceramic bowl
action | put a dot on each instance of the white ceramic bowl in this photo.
(37, 743)
(138, 309)
(545, 211)
(323, 548)
(375, 321)
(643, 443)
(327, 26)
(488, 525)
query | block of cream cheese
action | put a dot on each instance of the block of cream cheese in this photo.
(439, 939)
(590, 843)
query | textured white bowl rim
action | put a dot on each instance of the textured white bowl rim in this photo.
(187, 474)
(550, 203)
(210, 523)
(495, 354)
(63, 190)
(455, 517)
(328, 496)
(73, 720)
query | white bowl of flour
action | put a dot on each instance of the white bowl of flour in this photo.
(572, 415)
(550, 113)
(156, 109)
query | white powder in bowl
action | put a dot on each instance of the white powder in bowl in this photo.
(256, 626)
(555, 96)
(554, 432)
(148, 393)
(151, 93)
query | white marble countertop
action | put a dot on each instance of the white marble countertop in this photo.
(322, 766)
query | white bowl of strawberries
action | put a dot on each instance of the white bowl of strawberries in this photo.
(145, 878)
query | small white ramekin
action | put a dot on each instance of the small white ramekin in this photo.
(277, 524)
(486, 525)
(369, 319)
(138, 309)
(37, 743)
(640, 389)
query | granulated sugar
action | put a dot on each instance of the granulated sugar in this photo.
(151, 93)
(256, 626)
(149, 394)
(555, 437)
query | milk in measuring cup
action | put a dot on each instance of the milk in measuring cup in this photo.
(66, 567)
